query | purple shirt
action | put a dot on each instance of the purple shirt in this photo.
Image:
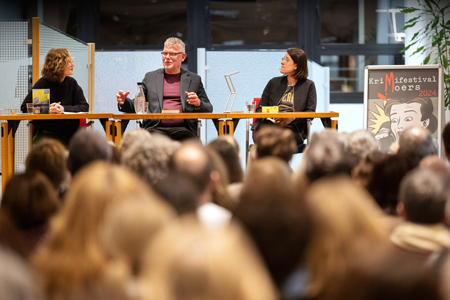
(172, 99)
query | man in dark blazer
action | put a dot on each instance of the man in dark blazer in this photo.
(171, 88)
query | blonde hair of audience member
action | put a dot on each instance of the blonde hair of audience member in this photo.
(346, 222)
(186, 261)
(133, 136)
(72, 263)
(129, 227)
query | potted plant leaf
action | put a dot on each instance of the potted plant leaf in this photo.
(433, 38)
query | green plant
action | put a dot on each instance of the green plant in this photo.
(434, 36)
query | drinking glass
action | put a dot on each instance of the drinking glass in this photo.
(251, 106)
(30, 108)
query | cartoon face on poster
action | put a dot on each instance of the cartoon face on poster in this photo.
(398, 99)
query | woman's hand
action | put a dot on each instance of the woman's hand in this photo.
(283, 122)
(56, 108)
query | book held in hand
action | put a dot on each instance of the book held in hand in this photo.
(41, 101)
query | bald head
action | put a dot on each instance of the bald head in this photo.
(415, 143)
(193, 160)
(436, 164)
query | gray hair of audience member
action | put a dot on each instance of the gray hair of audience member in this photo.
(149, 158)
(85, 147)
(360, 143)
(230, 157)
(133, 136)
(326, 157)
(329, 133)
(175, 41)
(415, 143)
(275, 141)
(193, 160)
(268, 205)
(423, 196)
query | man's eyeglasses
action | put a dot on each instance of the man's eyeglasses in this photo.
(172, 55)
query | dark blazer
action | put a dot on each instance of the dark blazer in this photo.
(153, 86)
(305, 99)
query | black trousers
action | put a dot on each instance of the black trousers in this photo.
(175, 133)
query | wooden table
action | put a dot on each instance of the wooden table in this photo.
(117, 134)
(9, 132)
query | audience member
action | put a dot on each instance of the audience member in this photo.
(446, 140)
(415, 143)
(387, 275)
(185, 197)
(269, 206)
(193, 160)
(362, 172)
(275, 141)
(438, 165)
(422, 198)
(115, 159)
(85, 147)
(346, 223)
(383, 184)
(149, 158)
(30, 201)
(360, 144)
(229, 153)
(128, 229)
(187, 261)
(49, 157)
(326, 156)
(220, 194)
(72, 262)
(133, 136)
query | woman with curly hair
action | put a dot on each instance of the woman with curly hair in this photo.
(65, 96)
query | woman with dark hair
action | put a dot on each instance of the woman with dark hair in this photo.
(65, 96)
(291, 92)
(404, 113)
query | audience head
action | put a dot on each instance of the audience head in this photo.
(73, 260)
(446, 139)
(436, 164)
(220, 181)
(275, 141)
(384, 181)
(129, 227)
(422, 197)
(229, 153)
(326, 156)
(149, 158)
(346, 224)
(360, 144)
(269, 205)
(30, 200)
(186, 261)
(185, 197)
(85, 147)
(193, 160)
(362, 172)
(415, 143)
(133, 136)
(48, 157)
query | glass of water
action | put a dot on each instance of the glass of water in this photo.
(251, 106)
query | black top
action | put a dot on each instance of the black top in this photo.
(71, 96)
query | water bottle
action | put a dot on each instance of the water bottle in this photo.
(139, 100)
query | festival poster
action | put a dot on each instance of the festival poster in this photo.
(397, 98)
